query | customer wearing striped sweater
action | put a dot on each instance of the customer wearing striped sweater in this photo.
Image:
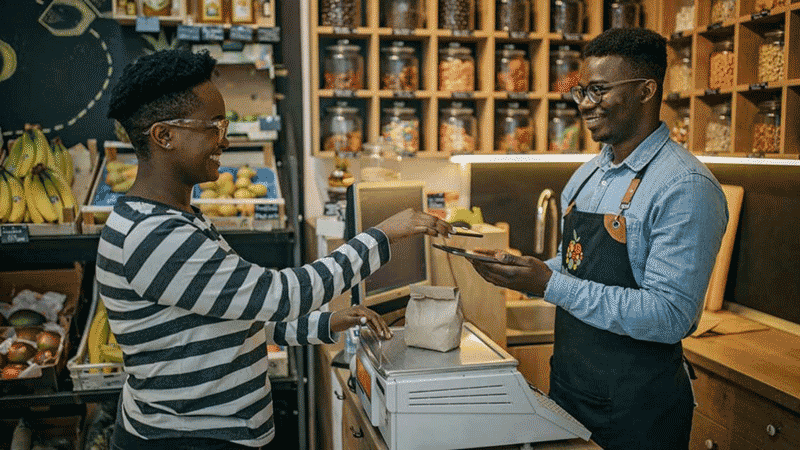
(192, 317)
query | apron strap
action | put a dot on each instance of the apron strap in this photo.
(635, 182)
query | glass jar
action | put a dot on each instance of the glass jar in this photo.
(767, 127)
(457, 15)
(340, 13)
(403, 14)
(400, 128)
(564, 129)
(684, 16)
(456, 68)
(680, 71)
(512, 70)
(679, 132)
(770, 57)
(342, 130)
(514, 15)
(718, 130)
(399, 68)
(625, 13)
(761, 5)
(513, 129)
(565, 66)
(379, 163)
(458, 129)
(723, 62)
(567, 16)
(722, 10)
(344, 67)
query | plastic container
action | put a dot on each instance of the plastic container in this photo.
(679, 132)
(456, 68)
(564, 129)
(684, 15)
(340, 13)
(770, 57)
(457, 15)
(718, 130)
(512, 70)
(344, 67)
(761, 5)
(458, 129)
(513, 15)
(567, 16)
(721, 67)
(342, 130)
(400, 129)
(565, 66)
(513, 129)
(722, 10)
(399, 68)
(767, 127)
(625, 14)
(403, 14)
(680, 71)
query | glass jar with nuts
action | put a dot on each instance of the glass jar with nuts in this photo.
(344, 67)
(512, 70)
(722, 64)
(513, 129)
(340, 13)
(564, 129)
(767, 127)
(718, 129)
(342, 130)
(770, 57)
(458, 129)
(456, 68)
(762, 5)
(399, 68)
(679, 132)
(722, 10)
(680, 71)
(400, 128)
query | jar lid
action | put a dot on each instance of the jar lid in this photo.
(398, 47)
(344, 45)
(455, 49)
(342, 108)
(456, 108)
(770, 104)
(726, 44)
(565, 50)
(722, 109)
(774, 34)
(513, 109)
(400, 108)
(510, 50)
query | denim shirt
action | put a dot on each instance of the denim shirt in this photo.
(674, 229)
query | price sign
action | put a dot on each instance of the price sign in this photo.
(343, 30)
(188, 33)
(147, 24)
(758, 86)
(402, 31)
(269, 34)
(759, 15)
(241, 33)
(462, 95)
(343, 93)
(572, 36)
(712, 91)
(714, 26)
(269, 123)
(518, 35)
(213, 33)
(518, 95)
(436, 201)
(14, 234)
(462, 33)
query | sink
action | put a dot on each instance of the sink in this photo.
(529, 321)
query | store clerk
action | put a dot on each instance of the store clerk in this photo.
(193, 318)
(642, 226)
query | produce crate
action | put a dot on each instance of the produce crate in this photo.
(269, 211)
(64, 281)
(86, 376)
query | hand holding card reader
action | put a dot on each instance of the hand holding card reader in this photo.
(467, 254)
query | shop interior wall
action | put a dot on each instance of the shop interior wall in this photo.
(766, 256)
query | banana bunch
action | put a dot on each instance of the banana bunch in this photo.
(12, 198)
(101, 342)
(47, 196)
(120, 175)
(32, 149)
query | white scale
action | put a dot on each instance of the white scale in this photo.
(469, 397)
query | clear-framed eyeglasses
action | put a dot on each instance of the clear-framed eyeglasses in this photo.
(595, 92)
(197, 124)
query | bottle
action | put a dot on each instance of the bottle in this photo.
(457, 129)
(157, 7)
(770, 57)
(513, 129)
(242, 11)
(400, 129)
(344, 67)
(514, 15)
(399, 68)
(718, 130)
(767, 127)
(512, 70)
(625, 13)
(564, 130)
(567, 16)
(342, 130)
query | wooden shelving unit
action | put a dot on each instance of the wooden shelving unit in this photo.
(187, 12)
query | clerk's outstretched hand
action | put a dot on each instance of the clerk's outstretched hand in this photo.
(520, 273)
(360, 315)
(409, 222)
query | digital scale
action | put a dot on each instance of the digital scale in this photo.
(470, 397)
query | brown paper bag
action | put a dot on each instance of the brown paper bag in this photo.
(434, 318)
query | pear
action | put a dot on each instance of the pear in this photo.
(243, 182)
(227, 209)
(245, 172)
(258, 189)
(224, 176)
(208, 185)
(208, 193)
(242, 193)
(225, 187)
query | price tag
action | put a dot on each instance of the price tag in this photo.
(241, 33)
(572, 36)
(759, 15)
(463, 95)
(436, 201)
(712, 91)
(758, 86)
(673, 96)
(462, 33)
(518, 35)
(188, 33)
(269, 34)
(232, 46)
(334, 209)
(714, 26)
(213, 33)
(265, 212)
(518, 95)
(402, 32)
(147, 24)
(404, 94)
(344, 93)
(343, 30)
(269, 123)
(14, 234)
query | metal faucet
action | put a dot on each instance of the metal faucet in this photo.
(546, 198)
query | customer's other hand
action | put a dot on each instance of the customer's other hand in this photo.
(345, 318)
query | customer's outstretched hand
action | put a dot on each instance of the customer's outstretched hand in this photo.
(409, 222)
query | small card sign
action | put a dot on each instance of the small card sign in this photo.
(462, 33)
(714, 26)
(343, 30)
(712, 91)
(464, 95)
(518, 35)
(147, 24)
(14, 234)
(572, 36)
(758, 86)
(402, 32)
(518, 95)
(269, 123)
(213, 33)
(763, 13)
(344, 93)
(404, 94)
(436, 201)
(241, 33)
(269, 34)
(188, 33)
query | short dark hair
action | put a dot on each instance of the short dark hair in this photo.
(158, 87)
(645, 50)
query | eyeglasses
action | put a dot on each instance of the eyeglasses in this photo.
(220, 124)
(595, 91)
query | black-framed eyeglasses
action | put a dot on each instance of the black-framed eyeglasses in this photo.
(595, 92)
(220, 124)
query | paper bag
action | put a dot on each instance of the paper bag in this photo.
(434, 318)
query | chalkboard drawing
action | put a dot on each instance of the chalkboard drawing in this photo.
(8, 65)
(67, 17)
(161, 43)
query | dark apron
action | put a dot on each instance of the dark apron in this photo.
(631, 394)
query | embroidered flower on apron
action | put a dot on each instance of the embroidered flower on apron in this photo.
(574, 252)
